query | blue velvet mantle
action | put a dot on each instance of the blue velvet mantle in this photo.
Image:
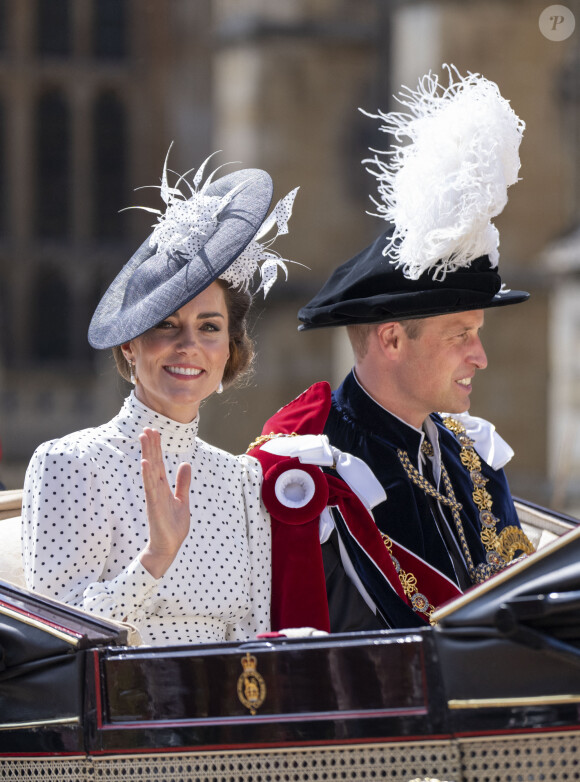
(358, 425)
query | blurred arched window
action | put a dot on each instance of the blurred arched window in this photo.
(109, 167)
(3, 173)
(53, 28)
(50, 316)
(52, 166)
(110, 29)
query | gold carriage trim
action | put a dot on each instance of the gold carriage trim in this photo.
(251, 685)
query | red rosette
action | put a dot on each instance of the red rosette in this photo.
(294, 493)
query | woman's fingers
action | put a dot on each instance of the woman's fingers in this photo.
(167, 512)
(153, 465)
(150, 440)
(149, 465)
(163, 504)
(183, 482)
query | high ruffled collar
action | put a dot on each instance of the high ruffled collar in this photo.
(175, 437)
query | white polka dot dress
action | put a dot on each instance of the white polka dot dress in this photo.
(84, 525)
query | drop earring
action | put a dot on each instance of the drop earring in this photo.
(133, 378)
(220, 388)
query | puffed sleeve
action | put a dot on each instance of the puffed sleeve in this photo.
(66, 536)
(258, 528)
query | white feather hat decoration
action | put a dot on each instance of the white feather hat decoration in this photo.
(191, 217)
(258, 251)
(446, 174)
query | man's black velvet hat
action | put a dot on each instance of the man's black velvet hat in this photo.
(440, 184)
(370, 289)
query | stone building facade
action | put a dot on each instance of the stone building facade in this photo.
(92, 92)
(275, 85)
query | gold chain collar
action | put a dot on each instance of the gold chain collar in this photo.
(500, 549)
(419, 602)
(448, 499)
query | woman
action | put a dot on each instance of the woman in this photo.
(139, 520)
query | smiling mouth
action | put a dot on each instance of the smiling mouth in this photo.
(466, 381)
(187, 371)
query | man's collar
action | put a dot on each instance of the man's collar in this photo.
(355, 403)
(363, 389)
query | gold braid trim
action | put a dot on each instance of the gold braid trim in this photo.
(263, 438)
(423, 483)
(502, 548)
(476, 574)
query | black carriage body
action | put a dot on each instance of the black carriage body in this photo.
(44, 646)
(346, 689)
(491, 692)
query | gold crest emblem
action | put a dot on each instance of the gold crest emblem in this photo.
(251, 685)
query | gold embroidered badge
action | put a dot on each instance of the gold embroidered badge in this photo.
(251, 685)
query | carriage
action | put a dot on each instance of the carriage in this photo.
(491, 691)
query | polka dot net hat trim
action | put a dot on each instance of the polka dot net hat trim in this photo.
(217, 230)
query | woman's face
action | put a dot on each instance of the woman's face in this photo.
(180, 362)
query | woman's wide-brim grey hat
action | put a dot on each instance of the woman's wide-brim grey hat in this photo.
(152, 285)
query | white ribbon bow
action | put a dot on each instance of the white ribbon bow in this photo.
(316, 449)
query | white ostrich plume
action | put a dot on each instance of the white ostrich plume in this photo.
(447, 173)
(191, 218)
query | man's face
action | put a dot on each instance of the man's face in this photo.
(435, 370)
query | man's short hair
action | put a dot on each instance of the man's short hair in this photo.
(358, 334)
(413, 327)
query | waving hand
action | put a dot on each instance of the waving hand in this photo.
(167, 512)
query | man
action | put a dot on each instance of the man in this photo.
(386, 412)
(413, 304)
